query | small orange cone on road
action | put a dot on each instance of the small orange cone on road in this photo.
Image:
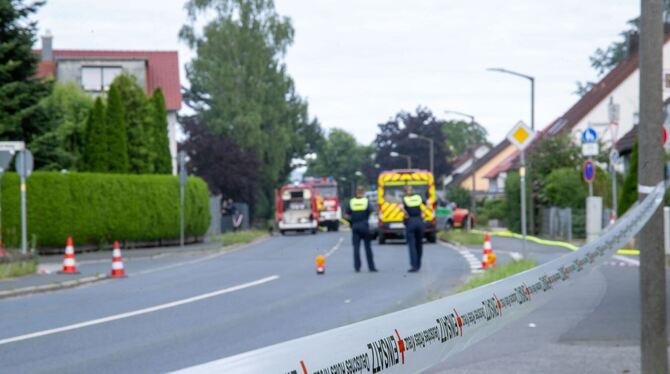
(612, 217)
(320, 264)
(117, 262)
(488, 257)
(69, 263)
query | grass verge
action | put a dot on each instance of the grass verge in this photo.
(462, 237)
(497, 273)
(239, 237)
(17, 269)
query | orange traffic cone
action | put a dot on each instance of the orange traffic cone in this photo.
(320, 264)
(117, 262)
(69, 263)
(612, 217)
(488, 257)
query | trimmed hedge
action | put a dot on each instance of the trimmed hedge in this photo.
(100, 208)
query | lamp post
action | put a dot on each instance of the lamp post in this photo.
(431, 143)
(406, 157)
(473, 200)
(531, 217)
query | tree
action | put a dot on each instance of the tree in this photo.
(162, 162)
(227, 168)
(117, 137)
(239, 85)
(461, 136)
(393, 136)
(20, 93)
(340, 156)
(94, 158)
(551, 153)
(138, 118)
(513, 201)
(629, 192)
(565, 188)
(67, 108)
(460, 196)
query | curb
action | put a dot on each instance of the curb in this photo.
(52, 286)
(100, 277)
(509, 234)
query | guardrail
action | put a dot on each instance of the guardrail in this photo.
(417, 338)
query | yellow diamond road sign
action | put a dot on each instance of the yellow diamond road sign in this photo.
(521, 135)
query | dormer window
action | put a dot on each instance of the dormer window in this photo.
(99, 78)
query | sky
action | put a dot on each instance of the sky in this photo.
(359, 62)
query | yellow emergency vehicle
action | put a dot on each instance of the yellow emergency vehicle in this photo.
(390, 190)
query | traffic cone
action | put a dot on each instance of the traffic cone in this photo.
(612, 217)
(69, 263)
(320, 265)
(488, 257)
(117, 262)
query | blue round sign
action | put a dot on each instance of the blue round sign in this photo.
(589, 171)
(589, 136)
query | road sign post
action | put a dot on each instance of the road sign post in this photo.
(182, 185)
(24, 167)
(614, 160)
(522, 136)
(589, 174)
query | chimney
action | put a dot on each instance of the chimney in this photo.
(47, 49)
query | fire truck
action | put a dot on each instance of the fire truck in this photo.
(296, 208)
(328, 203)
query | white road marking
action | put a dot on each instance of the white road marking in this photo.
(139, 312)
(627, 260)
(335, 247)
(516, 256)
(475, 264)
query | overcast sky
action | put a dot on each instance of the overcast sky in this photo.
(359, 62)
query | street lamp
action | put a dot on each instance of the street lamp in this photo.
(532, 127)
(408, 158)
(473, 200)
(431, 142)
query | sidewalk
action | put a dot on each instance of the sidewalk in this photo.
(95, 266)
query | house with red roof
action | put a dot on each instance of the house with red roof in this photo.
(94, 71)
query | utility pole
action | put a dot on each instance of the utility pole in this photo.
(653, 336)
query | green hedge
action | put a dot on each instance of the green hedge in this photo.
(100, 208)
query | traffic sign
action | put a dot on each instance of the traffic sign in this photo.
(521, 135)
(5, 158)
(590, 149)
(589, 135)
(666, 144)
(589, 171)
(24, 163)
(12, 147)
(614, 157)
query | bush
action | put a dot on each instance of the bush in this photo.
(565, 188)
(513, 201)
(460, 196)
(99, 208)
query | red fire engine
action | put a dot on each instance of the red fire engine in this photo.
(328, 202)
(296, 209)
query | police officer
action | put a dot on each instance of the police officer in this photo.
(413, 206)
(358, 213)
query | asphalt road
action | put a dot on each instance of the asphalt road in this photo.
(182, 311)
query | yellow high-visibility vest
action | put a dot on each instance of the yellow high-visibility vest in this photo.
(413, 201)
(358, 204)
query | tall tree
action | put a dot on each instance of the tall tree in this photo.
(20, 93)
(138, 119)
(629, 193)
(162, 163)
(94, 158)
(117, 137)
(339, 157)
(239, 85)
(227, 168)
(393, 136)
(67, 108)
(460, 136)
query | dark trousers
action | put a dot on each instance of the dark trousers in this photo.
(414, 235)
(360, 231)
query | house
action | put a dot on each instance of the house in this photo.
(465, 160)
(610, 107)
(477, 171)
(95, 70)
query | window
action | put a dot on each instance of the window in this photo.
(99, 78)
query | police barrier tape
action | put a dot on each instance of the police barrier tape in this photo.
(417, 338)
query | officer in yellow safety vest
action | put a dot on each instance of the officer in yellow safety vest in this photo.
(358, 213)
(413, 205)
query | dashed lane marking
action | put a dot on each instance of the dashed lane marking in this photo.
(475, 264)
(138, 312)
(629, 261)
(516, 256)
(335, 247)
